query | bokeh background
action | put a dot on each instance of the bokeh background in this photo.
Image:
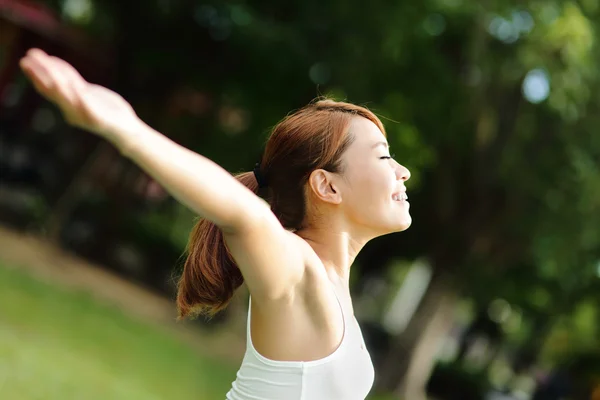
(493, 293)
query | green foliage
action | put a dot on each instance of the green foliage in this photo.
(453, 381)
(493, 106)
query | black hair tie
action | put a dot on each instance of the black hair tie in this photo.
(260, 178)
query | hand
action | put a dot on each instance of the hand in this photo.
(84, 105)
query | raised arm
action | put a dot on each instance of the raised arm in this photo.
(196, 181)
(192, 179)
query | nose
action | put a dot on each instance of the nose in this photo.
(402, 173)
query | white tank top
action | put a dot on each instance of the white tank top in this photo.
(346, 374)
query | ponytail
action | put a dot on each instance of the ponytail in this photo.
(210, 275)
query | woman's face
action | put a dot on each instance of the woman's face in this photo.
(372, 183)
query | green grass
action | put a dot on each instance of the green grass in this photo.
(61, 344)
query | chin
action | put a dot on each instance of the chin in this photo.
(404, 222)
(386, 224)
(400, 226)
(404, 225)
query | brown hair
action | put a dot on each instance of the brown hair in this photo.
(313, 137)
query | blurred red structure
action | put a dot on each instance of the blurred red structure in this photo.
(30, 15)
(25, 24)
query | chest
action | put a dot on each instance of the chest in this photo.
(348, 376)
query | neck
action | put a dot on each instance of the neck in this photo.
(336, 247)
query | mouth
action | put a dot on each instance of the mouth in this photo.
(400, 196)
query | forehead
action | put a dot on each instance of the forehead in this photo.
(365, 132)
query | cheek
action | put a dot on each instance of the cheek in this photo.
(369, 198)
(367, 176)
(370, 187)
(378, 184)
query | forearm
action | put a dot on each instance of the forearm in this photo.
(192, 179)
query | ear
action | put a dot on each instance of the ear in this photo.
(324, 187)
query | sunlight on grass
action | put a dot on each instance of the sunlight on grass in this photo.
(62, 344)
(57, 344)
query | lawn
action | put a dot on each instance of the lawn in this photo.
(60, 344)
(63, 344)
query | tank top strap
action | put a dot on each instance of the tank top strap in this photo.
(344, 319)
(248, 333)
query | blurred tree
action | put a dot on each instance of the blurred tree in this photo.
(490, 104)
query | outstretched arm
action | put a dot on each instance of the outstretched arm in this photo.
(246, 220)
(194, 180)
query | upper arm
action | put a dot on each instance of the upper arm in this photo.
(271, 259)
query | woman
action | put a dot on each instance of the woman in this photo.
(330, 185)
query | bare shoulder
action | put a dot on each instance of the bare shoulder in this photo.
(314, 276)
(310, 257)
(272, 260)
(315, 293)
(305, 323)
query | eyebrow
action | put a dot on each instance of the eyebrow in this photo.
(384, 144)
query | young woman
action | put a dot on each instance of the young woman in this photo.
(290, 230)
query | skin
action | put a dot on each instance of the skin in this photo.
(346, 211)
(356, 205)
(296, 280)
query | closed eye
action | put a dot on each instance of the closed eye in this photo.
(387, 157)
